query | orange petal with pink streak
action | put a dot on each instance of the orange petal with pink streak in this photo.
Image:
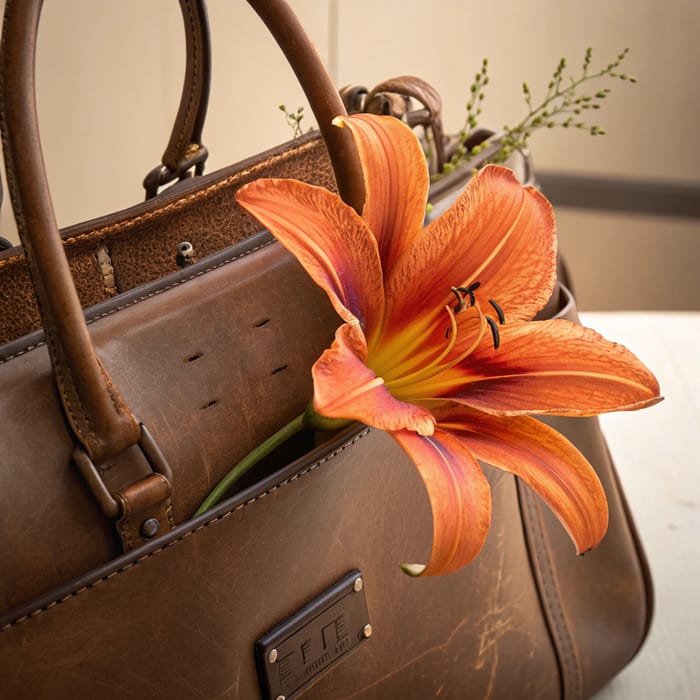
(344, 387)
(497, 233)
(553, 367)
(328, 238)
(544, 459)
(396, 181)
(460, 498)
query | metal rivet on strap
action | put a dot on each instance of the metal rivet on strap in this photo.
(149, 528)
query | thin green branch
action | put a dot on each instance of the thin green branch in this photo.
(562, 106)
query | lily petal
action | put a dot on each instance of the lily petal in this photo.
(544, 459)
(396, 181)
(554, 367)
(344, 387)
(329, 239)
(497, 233)
(460, 498)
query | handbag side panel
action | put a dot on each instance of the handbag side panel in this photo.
(598, 606)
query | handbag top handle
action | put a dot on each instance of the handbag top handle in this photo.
(185, 149)
(96, 413)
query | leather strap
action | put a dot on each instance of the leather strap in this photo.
(96, 413)
(187, 130)
(430, 117)
(323, 96)
(185, 150)
(544, 571)
(393, 97)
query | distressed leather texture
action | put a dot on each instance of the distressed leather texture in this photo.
(213, 360)
(212, 357)
(141, 243)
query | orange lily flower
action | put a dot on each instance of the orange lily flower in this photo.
(437, 347)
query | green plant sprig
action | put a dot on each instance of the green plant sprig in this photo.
(562, 107)
(473, 107)
(293, 119)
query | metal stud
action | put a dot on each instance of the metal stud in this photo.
(149, 528)
(272, 656)
(357, 586)
(184, 253)
(367, 631)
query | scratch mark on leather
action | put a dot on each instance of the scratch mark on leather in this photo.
(235, 686)
(223, 516)
(438, 648)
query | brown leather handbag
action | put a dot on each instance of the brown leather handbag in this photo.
(174, 337)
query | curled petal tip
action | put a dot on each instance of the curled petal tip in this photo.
(412, 570)
(425, 426)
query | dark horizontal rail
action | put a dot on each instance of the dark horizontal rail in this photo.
(619, 194)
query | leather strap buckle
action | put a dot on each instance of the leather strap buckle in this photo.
(196, 157)
(91, 473)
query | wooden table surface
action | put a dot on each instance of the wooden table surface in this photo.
(657, 453)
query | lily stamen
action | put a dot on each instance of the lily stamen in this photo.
(462, 292)
(494, 332)
(437, 366)
(499, 311)
(461, 301)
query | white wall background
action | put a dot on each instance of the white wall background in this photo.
(109, 76)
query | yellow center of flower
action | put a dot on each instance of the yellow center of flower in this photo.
(420, 352)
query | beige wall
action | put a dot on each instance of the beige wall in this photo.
(109, 76)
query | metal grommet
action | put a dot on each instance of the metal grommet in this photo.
(184, 254)
(149, 528)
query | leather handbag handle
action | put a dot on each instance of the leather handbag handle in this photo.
(98, 416)
(185, 149)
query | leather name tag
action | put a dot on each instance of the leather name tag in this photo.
(296, 652)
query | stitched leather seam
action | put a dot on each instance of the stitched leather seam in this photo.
(195, 61)
(218, 518)
(150, 295)
(174, 206)
(64, 377)
(169, 509)
(571, 673)
(81, 423)
(104, 261)
(193, 197)
(558, 624)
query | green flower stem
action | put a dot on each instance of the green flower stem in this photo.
(251, 459)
